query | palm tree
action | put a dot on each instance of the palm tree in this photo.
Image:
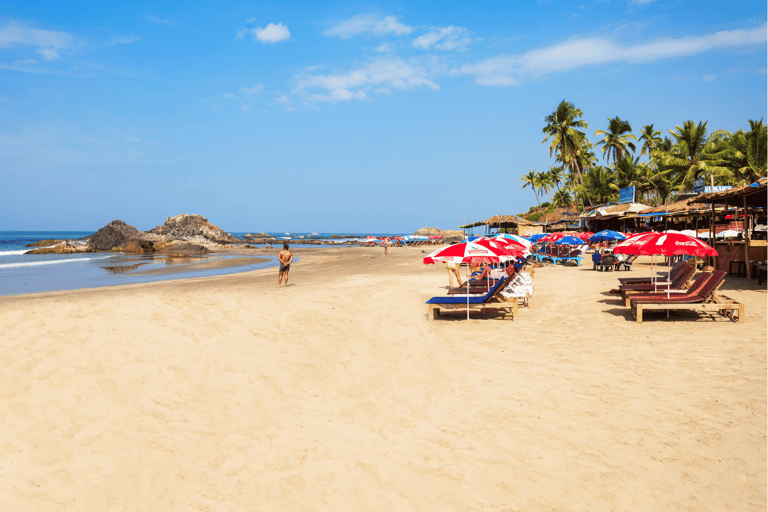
(562, 199)
(627, 171)
(651, 139)
(563, 128)
(599, 185)
(544, 183)
(556, 175)
(616, 140)
(531, 179)
(749, 153)
(694, 153)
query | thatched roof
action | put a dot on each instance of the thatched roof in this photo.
(514, 220)
(684, 207)
(613, 210)
(755, 194)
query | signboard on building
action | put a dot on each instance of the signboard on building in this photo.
(718, 188)
(627, 195)
(698, 186)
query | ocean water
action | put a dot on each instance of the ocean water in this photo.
(32, 273)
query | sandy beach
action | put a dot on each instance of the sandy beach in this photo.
(336, 393)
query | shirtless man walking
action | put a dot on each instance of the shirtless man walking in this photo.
(285, 257)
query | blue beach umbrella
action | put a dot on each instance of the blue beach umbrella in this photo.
(570, 240)
(536, 237)
(606, 236)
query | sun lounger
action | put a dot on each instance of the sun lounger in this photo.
(701, 297)
(481, 286)
(490, 301)
(637, 280)
(678, 284)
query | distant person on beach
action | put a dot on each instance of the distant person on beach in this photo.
(385, 243)
(453, 270)
(285, 257)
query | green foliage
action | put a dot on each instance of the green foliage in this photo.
(689, 153)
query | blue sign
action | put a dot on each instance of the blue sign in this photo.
(718, 188)
(698, 186)
(627, 195)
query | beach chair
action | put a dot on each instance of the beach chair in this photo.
(596, 257)
(700, 297)
(520, 288)
(648, 280)
(608, 262)
(572, 255)
(627, 264)
(481, 286)
(680, 283)
(491, 301)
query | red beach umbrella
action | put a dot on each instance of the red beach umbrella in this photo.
(467, 252)
(585, 235)
(667, 244)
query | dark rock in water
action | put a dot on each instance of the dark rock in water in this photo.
(183, 249)
(65, 247)
(186, 226)
(45, 243)
(114, 234)
(174, 249)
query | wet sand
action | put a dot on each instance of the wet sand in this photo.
(336, 393)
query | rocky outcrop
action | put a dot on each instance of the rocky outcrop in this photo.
(174, 248)
(45, 243)
(114, 234)
(427, 232)
(450, 236)
(186, 227)
(63, 247)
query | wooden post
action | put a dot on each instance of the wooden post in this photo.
(712, 235)
(745, 229)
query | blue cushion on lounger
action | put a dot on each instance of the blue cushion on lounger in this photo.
(463, 300)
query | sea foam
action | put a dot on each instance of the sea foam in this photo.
(49, 262)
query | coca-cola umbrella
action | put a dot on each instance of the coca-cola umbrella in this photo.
(486, 251)
(665, 244)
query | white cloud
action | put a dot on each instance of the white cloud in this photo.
(512, 69)
(270, 34)
(709, 78)
(283, 100)
(49, 44)
(159, 21)
(124, 39)
(388, 73)
(444, 38)
(245, 107)
(250, 91)
(368, 24)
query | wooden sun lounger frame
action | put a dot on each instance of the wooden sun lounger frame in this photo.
(627, 294)
(713, 303)
(506, 307)
(494, 302)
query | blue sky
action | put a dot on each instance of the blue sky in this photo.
(339, 116)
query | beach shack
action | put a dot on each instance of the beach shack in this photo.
(680, 215)
(614, 217)
(744, 208)
(509, 224)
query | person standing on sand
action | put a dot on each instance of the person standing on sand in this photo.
(285, 257)
(453, 270)
(385, 243)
